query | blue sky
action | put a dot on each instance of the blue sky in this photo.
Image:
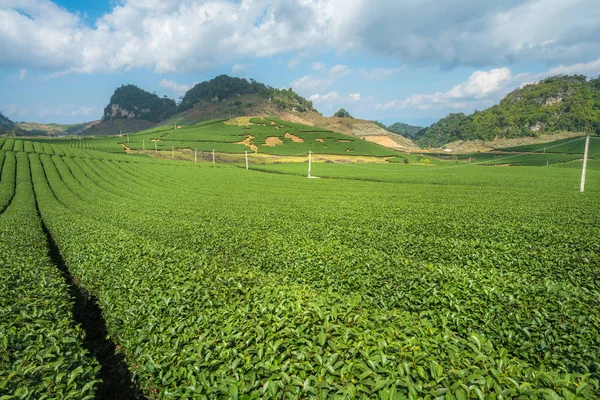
(413, 61)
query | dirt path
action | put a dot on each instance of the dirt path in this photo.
(127, 149)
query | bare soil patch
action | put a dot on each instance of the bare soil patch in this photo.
(248, 142)
(273, 141)
(239, 121)
(474, 146)
(386, 141)
(295, 139)
(320, 140)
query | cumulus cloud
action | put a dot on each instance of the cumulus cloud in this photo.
(189, 35)
(485, 87)
(177, 88)
(481, 84)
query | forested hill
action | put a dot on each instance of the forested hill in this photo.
(405, 130)
(5, 124)
(224, 87)
(567, 103)
(131, 102)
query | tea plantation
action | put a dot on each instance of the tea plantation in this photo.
(445, 281)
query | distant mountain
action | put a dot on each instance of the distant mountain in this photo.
(131, 102)
(405, 130)
(224, 88)
(5, 124)
(37, 129)
(566, 103)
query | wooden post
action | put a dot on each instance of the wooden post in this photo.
(155, 148)
(246, 159)
(172, 152)
(585, 158)
(309, 162)
(196, 155)
(213, 156)
(143, 145)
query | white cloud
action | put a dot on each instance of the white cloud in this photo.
(85, 111)
(379, 73)
(189, 35)
(318, 66)
(311, 83)
(324, 80)
(177, 88)
(483, 88)
(14, 110)
(333, 97)
(61, 110)
(339, 70)
(22, 74)
(480, 85)
(325, 98)
(237, 68)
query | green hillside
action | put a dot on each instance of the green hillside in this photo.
(224, 87)
(260, 135)
(567, 103)
(405, 130)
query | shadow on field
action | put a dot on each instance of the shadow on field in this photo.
(117, 382)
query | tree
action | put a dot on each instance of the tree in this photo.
(342, 113)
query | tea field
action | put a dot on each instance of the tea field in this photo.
(392, 281)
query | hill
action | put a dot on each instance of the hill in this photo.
(558, 104)
(224, 88)
(131, 102)
(117, 126)
(132, 109)
(226, 97)
(403, 129)
(5, 124)
(37, 129)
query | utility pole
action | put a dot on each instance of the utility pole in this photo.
(246, 160)
(309, 161)
(127, 137)
(196, 155)
(173, 152)
(155, 148)
(585, 158)
(143, 145)
(213, 156)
